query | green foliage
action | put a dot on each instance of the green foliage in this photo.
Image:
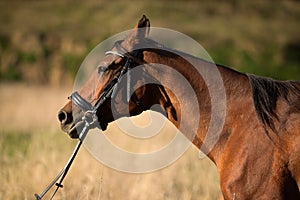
(4, 41)
(291, 52)
(10, 74)
(257, 37)
(72, 62)
(26, 57)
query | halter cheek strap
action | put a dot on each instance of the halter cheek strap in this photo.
(124, 71)
(128, 85)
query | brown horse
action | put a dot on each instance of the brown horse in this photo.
(257, 151)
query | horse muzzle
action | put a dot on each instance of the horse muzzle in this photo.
(67, 124)
(74, 127)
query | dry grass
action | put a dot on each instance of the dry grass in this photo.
(33, 150)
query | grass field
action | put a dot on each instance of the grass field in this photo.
(33, 150)
(42, 44)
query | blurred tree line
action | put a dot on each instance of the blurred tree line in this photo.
(44, 42)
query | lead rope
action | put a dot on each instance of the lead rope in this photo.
(60, 185)
(62, 174)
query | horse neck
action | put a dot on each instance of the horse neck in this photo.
(237, 92)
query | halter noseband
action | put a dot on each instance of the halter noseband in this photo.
(90, 118)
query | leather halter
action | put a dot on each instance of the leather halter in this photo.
(90, 118)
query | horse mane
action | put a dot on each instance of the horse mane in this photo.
(266, 92)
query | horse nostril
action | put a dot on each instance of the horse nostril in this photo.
(62, 116)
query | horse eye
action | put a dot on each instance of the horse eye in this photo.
(102, 69)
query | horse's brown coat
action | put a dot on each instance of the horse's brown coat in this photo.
(257, 153)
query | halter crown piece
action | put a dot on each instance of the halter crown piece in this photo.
(89, 118)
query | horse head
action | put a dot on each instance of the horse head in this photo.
(112, 92)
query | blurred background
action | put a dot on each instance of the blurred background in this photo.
(42, 44)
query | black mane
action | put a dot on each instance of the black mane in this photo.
(266, 92)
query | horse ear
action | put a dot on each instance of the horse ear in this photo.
(144, 25)
(143, 22)
(137, 34)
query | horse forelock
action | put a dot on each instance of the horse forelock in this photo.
(266, 92)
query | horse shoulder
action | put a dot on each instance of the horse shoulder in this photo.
(292, 138)
(246, 169)
(288, 127)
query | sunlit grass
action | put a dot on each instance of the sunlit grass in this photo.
(29, 160)
(36, 161)
(32, 153)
